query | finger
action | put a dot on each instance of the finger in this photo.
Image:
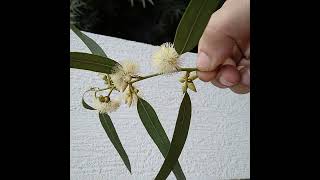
(214, 45)
(230, 62)
(244, 62)
(210, 76)
(240, 89)
(216, 83)
(244, 68)
(228, 76)
(245, 76)
(236, 54)
(247, 52)
(206, 76)
(244, 85)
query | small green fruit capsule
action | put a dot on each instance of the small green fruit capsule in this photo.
(102, 99)
(107, 99)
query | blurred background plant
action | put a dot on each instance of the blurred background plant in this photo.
(84, 15)
(148, 21)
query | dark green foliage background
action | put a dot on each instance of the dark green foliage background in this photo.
(154, 24)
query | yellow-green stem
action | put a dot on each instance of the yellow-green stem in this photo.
(111, 91)
(188, 70)
(95, 92)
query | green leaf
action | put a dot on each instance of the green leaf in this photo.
(193, 23)
(87, 106)
(179, 138)
(84, 104)
(90, 43)
(91, 62)
(113, 136)
(153, 126)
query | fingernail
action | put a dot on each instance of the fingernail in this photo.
(203, 61)
(225, 82)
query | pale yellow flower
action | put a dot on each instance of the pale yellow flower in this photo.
(130, 67)
(122, 74)
(105, 106)
(166, 59)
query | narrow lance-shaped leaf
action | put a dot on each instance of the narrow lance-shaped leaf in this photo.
(154, 128)
(179, 138)
(193, 23)
(91, 62)
(114, 138)
(90, 43)
(84, 104)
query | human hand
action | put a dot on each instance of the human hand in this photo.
(224, 48)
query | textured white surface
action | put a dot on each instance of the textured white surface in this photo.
(218, 143)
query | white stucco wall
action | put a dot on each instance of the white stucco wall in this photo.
(218, 143)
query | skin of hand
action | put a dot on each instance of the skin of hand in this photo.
(224, 48)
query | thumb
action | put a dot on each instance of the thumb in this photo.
(214, 47)
(226, 36)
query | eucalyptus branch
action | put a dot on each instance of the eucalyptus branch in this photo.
(140, 78)
(102, 89)
(167, 61)
(188, 69)
(145, 77)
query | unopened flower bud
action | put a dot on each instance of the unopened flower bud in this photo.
(193, 77)
(182, 79)
(135, 98)
(130, 95)
(124, 87)
(129, 100)
(191, 86)
(184, 87)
